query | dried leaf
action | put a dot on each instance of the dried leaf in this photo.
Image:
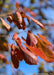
(5, 24)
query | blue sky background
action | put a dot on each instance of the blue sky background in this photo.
(30, 69)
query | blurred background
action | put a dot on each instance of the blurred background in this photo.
(44, 10)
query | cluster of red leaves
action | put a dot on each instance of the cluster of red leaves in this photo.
(35, 47)
(18, 18)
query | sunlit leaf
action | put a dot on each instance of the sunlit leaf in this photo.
(44, 39)
(37, 22)
(46, 50)
(36, 51)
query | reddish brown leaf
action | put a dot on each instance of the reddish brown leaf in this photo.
(23, 14)
(14, 58)
(31, 40)
(44, 39)
(46, 50)
(23, 24)
(15, 61)
(37, 51)
(29, 57)
(9, 18)
(30, 12)
(19, 17)
(17, 52)
(5, 24)
(37, 22)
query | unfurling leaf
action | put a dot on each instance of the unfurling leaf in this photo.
(3, 59)
(5, 24)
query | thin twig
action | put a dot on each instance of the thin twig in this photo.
(5, 36)
(6, 14)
